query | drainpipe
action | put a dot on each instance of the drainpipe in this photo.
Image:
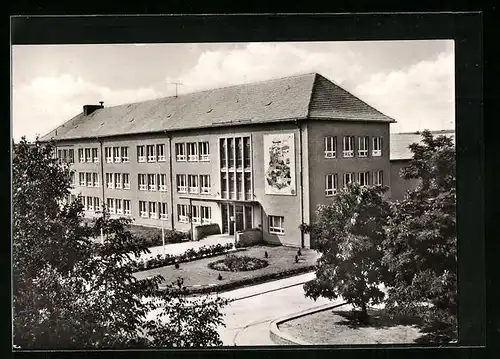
(102, 185)
(171, 179)
(301, 185)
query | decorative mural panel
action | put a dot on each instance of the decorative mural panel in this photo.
(279, 164)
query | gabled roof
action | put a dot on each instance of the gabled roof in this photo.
(399, 143)
(290, 98)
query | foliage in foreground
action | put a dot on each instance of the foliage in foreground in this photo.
(70, 292)
(349, 234)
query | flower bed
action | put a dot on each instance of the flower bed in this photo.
(233, 263)
(189, 255)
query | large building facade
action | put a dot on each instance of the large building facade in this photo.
(261, 155)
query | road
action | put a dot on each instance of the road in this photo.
(247, 319)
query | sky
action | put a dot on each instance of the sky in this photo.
(411, 81)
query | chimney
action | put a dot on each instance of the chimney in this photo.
(88, 109)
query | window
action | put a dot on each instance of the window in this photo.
(222, 153)
(377, 147)
(81, 155)
(81, 176)
(195, 214)
(331, 184)
(90, 203)
(118, 180)
(88, 155)
(143, 186)
(230, 152)
(378, 179)
(143, 209)
(206, 215)
(152, 210)
(248, 186)
(88, 177)
(348, 178)
(59, 155)
(192, 151)
(223, 184)
(109, 180)
(97, 205)
(239, 152)
(204, 151)
(180, 152)
(239, 185)
(182, 215)
(160, 151)
(232, 192)
(205, 184)
(246, 152)
(163, 210)
(111, 205)
(71, 155)
(330, 147)
(73, 178)
(124, 154)
(162, 182)
(141, 157)
(118, 206)
(363, 178)
(95, 155)
(348, 149)
(152, 182)
(109, 154)
(126, 207)
(150, 149)
(126, 181)
(181, 184)
(117, 155)
(193, 183)
(363, 146)
(276, 225)
(95, 178)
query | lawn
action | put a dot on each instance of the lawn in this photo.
(197, 274)
(334, 326)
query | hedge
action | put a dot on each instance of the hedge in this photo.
(151, 236)
(189, 255)
(247, 281)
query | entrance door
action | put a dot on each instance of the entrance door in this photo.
(241, 215)
(238, 209)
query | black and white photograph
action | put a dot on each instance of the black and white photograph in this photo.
(201, 195)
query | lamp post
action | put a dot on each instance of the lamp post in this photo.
(233, 222)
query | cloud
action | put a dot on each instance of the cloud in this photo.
(418, 97)
(47, 102)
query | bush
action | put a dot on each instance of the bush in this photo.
(233, 263)
(151, 236)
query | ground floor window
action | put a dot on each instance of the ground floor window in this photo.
(206, 215)
(195, 214)
(143, 209)
(276, 225)
(182, 213)
(163, 210)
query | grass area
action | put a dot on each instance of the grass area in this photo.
(197, 274)
(336, 326)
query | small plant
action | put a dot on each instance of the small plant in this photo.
(176, 265)
(266, 255)
(219, 277)
(296, 259)
(299, 252)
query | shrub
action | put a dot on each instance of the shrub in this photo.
(151, 236)
(233, 263)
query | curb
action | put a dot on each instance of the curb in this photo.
(281, 338)
(269, 290)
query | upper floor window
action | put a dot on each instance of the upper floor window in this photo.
(73, 178)
(193, 183)
(348, 148)
(239, 152)
(143, 185)
(181, 184)
(230, 152)
(117, 155)
(81, 155)
(331, 184)
(160, 151)
(124, 153)
(141, 156)
(95, 155)
(118, 180)
(205, 183)
(330, 147)
(88, 177)
(348, 178)
(378, 179)
(151, 153)
(204, 151)
(222, 153)
(180, 152)
(95, 177)
(363, 178)
(377, 147)
(276, 225)
(126, 181)
(162, 182)
(248, 186)
(81, 177)
(192, 151)
(88, 155)
(152, 182)
(223, 184)
(363, 146)
(110, 183)
(246, 152)
(109, 154)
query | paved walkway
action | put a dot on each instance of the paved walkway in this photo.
(179, 248)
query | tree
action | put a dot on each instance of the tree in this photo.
(349, 234)
(72, 292)
(420, 245)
